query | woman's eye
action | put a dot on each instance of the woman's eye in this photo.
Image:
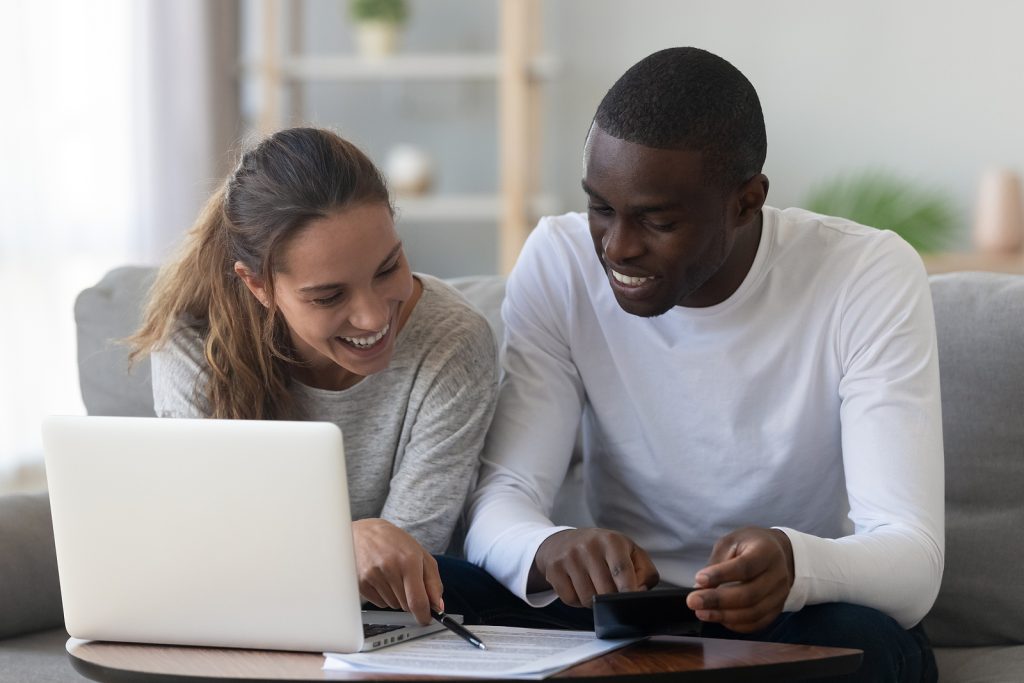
(390, 269)
(328, 300)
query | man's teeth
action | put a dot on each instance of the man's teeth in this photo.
(629, 281)
(366, 342)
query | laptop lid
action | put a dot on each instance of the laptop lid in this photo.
(221, 533)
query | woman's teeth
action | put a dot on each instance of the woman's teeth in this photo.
(367, 342)
(629, 281)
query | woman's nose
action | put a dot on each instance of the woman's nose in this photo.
(370, 312)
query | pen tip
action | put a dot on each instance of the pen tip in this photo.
(481, 646)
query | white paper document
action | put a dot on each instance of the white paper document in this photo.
(511, 653)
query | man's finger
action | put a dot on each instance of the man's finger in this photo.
(583, 582)
(739, 595)
(646, 573)
(741, 620)
(622, 573)
(741, 567)
(563, 587)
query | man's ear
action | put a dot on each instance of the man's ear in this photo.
(253, 282)
(751, 198)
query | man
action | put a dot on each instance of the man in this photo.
(747, 378)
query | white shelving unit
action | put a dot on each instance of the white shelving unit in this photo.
(516, 68)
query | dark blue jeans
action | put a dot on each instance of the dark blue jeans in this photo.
(891, 653)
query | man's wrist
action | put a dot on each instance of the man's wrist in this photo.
(536, 580)
(787, 549)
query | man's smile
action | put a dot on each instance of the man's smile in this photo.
(629, 280)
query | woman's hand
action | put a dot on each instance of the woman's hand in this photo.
(394, 569)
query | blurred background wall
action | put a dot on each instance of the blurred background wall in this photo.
(119, 117)
(931, 90)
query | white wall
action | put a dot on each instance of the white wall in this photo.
(931, 89)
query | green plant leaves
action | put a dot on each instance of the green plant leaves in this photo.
(924, 217)
(390, 11)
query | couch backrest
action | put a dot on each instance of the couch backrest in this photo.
(106, 313)
(980, 323)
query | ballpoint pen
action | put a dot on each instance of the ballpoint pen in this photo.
(458, 629)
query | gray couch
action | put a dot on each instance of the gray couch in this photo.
(977, 623)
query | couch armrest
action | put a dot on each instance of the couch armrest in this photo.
(29, 587)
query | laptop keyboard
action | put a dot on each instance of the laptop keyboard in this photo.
(376, 629)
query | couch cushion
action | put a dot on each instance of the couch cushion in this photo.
(37, 658)
(980, 323)
(29, 588)
(485, 292)
(980, 664)
(104, 314)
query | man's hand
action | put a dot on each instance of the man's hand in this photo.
(394, 570)
(747, 580)
(582, 563)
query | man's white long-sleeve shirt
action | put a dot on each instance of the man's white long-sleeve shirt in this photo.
(809, 396)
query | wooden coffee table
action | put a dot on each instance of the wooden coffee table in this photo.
(659, 659)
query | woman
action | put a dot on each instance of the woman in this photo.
(292, 299)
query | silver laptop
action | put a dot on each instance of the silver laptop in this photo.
(219, 533)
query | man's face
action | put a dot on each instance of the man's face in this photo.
(662, 229)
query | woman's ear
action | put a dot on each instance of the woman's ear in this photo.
(253, 282)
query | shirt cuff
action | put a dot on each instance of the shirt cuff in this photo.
(518, 587)
(798, 593)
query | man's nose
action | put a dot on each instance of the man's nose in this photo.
(621, 241)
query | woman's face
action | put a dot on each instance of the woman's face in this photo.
(340, 284)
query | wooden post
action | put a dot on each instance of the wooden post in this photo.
(519, 31)
(271, 79)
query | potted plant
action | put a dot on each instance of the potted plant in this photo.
(377, 24)
(927, 219)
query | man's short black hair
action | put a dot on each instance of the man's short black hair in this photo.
(687, 98)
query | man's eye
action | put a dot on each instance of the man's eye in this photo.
(663, 227)
(600, 209)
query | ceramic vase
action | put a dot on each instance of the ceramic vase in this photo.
(409, 170)
(376, 39)
(999, 222)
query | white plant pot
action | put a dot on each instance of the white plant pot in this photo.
(376, 39)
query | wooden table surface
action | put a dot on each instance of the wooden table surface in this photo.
(662, 658)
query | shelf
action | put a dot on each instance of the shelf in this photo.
(463, 208)
(952, 262)
(517, 68)
(421, 67)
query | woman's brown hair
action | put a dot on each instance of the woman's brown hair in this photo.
(289, 179)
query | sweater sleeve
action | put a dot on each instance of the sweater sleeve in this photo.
(434, 474)
(892, 448)
(530, 443)
(180, 373)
